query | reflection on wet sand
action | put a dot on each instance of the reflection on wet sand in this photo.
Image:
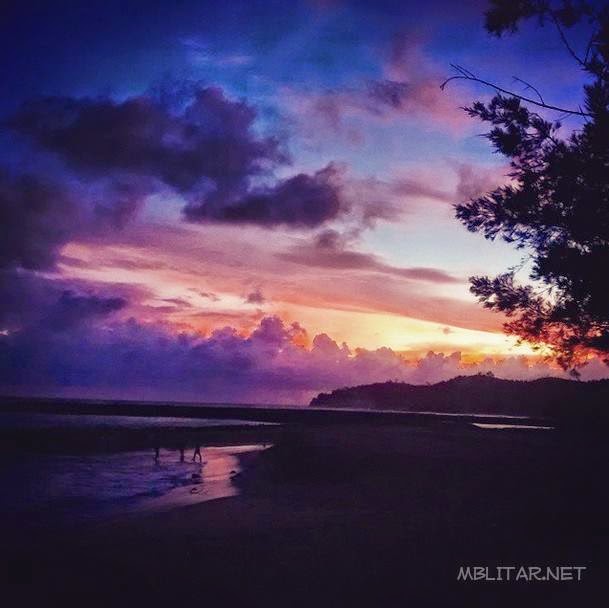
(211, 477)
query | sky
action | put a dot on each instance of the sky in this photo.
(252, 201)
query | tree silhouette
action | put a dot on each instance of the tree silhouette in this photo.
(556, 205)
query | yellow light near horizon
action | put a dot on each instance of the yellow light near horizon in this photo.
(402, 334)
(358, 329)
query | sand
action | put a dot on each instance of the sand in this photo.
(346, 516)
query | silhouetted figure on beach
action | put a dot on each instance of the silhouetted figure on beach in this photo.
(181, 453)
(197, 453)
(157, 453)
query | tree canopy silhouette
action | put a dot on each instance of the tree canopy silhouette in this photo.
(556, 204)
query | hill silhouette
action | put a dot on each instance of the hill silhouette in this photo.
(479, 394)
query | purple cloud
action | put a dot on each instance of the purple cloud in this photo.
(211, 137)
(37, 219)
(255, 297)
(195, 141)
(33, 302)
(72, 309)
(131, 360)
(303, 200)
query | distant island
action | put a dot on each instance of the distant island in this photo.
(479, 394)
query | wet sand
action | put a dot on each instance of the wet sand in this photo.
(347, 516)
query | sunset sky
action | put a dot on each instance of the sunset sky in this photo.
(251, 200)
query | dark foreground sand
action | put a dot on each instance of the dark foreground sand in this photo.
(356, 516)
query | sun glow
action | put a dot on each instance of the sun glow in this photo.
(193, 300)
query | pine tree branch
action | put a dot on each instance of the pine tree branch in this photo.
(464, 74)
(565, 41)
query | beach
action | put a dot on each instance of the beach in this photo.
(372, 515)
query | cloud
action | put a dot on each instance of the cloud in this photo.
(303, 200)
(255, 297)
(37, 219)
(475, 181)
(40, 215)
(451, 182)
(210, 137)
(415, 186)
(411, 83)
(201, 53)
(208, 295)
(178, 302)
(227, 269)
(273, 363)
(407, 87)
(34, 302)
(74, 308)
(191, 139)
(330, 251)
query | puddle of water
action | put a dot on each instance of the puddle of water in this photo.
(482, 425)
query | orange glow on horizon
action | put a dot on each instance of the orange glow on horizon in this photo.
(204, 301)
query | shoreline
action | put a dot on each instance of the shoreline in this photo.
(356, 515)
(83, 440)
(266, 414)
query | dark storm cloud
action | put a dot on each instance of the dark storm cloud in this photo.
(114, 203)
(205, 148)
(46, 324)
(30, 301)
(22, 295)
(303, 200)
(72, 309)
(37, 218)
(40, 215)
(211, 137)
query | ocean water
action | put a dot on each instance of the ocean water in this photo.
(75, 421)
(38, 486)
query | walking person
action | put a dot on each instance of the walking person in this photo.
(197, 453)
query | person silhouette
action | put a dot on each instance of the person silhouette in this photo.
(181, 453)
(197, 453)
(156, 453)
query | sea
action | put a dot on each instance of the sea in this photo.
(40, 484)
